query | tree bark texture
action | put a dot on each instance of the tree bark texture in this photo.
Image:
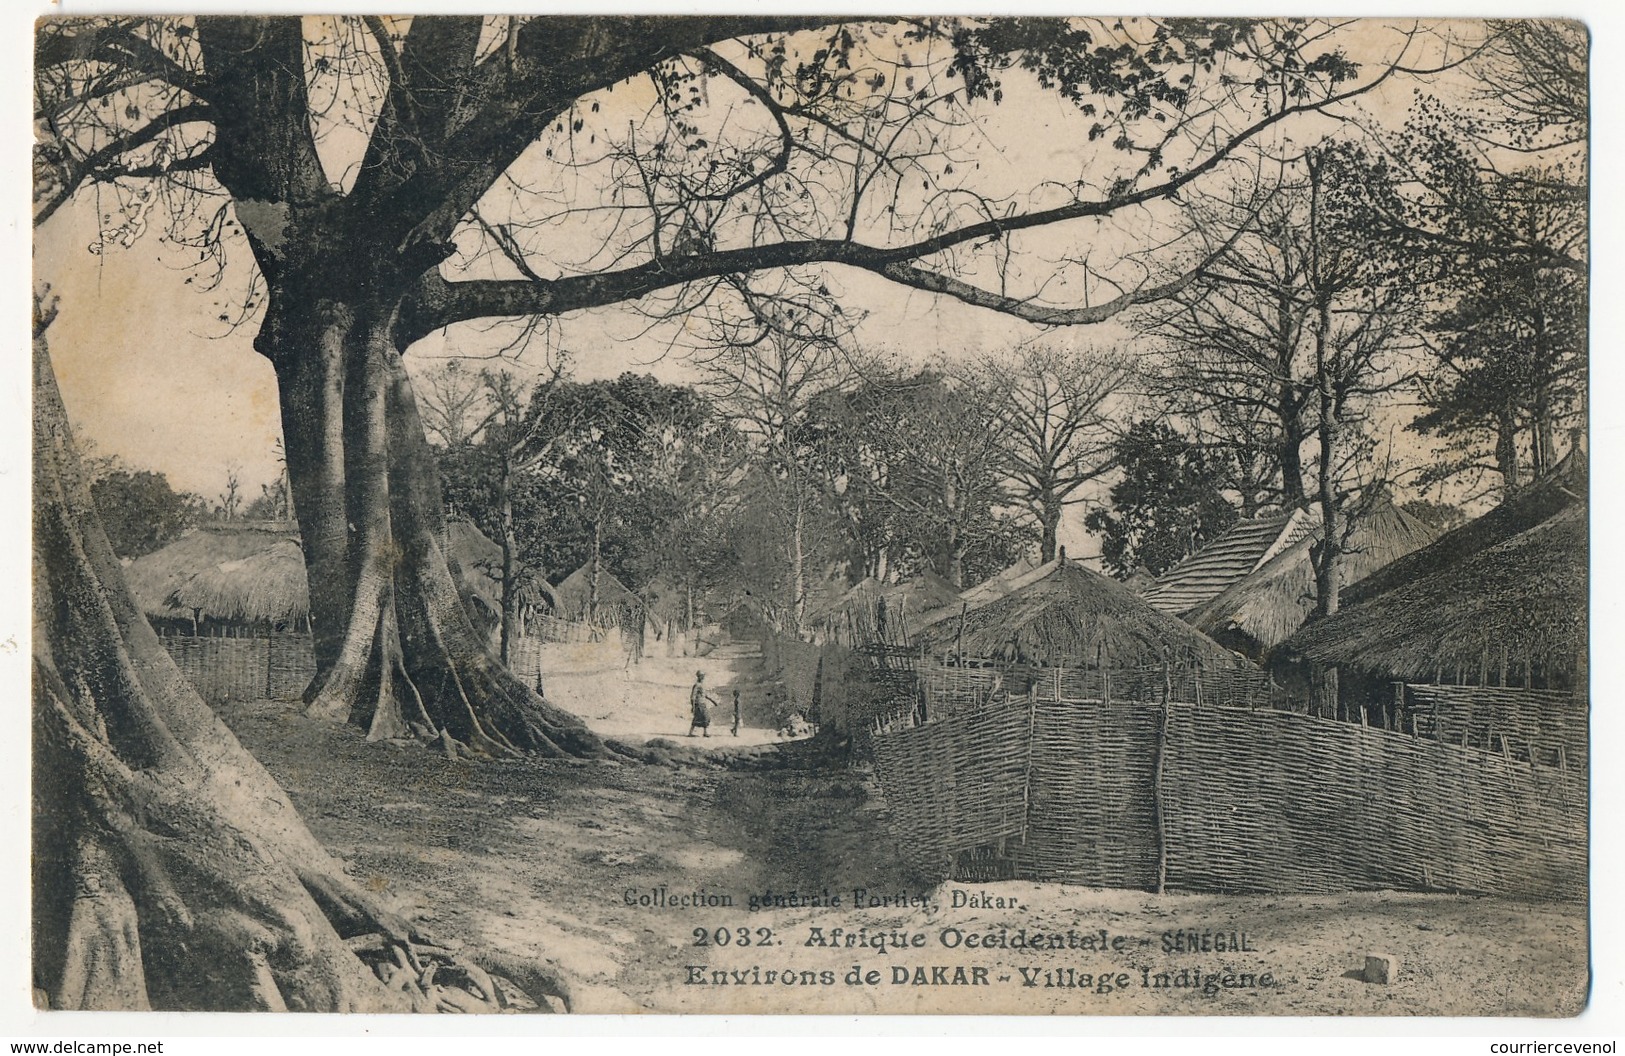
(397, 650)
(169, 869)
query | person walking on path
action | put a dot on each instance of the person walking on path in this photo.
(700, 716)
(736, 713)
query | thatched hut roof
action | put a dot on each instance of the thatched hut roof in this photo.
(480, 560)
(613, 595)
(986, 592)
(255, 570)
(914, 600)
(1244, 548)
(1528, 593)
(236, 570)
(1567, 484)
(1263, 608)
(923, 593)
(1072, 616)
(1023, 571)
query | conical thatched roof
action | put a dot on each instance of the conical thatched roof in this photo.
(914, 600)
(1072, 616)
(1023, 571)
(1527, 593)
(480, 560)
(1021, 574)
(923, 593)
(1263, 608)
(236, 570)
(613, 595)
(255, 570)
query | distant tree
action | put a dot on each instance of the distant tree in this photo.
(1494, 220)
(853, 473)
(496, 428)
(453, 399)
(269, 505)
(229, 504)
(1510, 369)
(950, 471)
(1055, 422)
(141, 511)
(1302, 318)
(765, 374)
(1169, 503)
(693, 463)
(920, 471)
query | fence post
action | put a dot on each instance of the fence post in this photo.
(269, 641)
(1158, 821)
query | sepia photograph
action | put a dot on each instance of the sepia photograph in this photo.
(754, 514)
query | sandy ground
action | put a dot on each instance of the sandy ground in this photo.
(583, 865)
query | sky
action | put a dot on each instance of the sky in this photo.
(153, 371)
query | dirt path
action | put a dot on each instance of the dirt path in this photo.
(579, 864)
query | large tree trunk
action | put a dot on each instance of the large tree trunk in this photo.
(396, 650)
(396, 647)
(1327, 553)
(169, 869)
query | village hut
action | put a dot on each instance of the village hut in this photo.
(886, 609)
(1065, 615)
(1246, 547)
(1021, 574)
(232, 577)
(997, 586)
(1511, 614)
(1567, 484)
(248, 577)
(1264, 607)
(478, 560)
(616, 603)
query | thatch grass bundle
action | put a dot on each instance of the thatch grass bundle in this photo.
(1072, 617)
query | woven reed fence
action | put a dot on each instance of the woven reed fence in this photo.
(545, 628)
(1527, 725)
(277, 667)
(1128, 794)
(1272, 801)
(1092, 805)
(956, 788)
(935, 690)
